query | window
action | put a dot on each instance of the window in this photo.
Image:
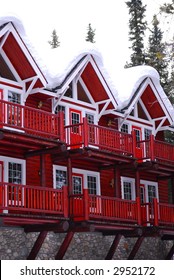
(147, 133)
(92, 184)
(77, 184)
(127, 191)
(61, 179)
(151, 192)
(14, 173)
(125, 128)
(128, 188)
(14, 97)
(60, 108)
(90, 118)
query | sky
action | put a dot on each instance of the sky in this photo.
(70, 18)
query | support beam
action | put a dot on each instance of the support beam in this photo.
(170, 254)
(37, 245)
(137, 183)
(58, 227)
(136, 247)
(42, 170)
(113, 247)
(63, 248)
(69, 169)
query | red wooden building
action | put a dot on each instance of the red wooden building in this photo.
(77, 156)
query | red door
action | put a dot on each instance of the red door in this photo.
(75, 133)
(1, 186)
(78, 203)
(139, 145)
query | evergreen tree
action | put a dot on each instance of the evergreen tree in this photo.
(55, 40)
(156, 54)
(137, 27)
(90, 34)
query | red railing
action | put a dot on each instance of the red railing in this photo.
(103, 207)
(29, 199)
(156, 150)
(84, 134)
(86, 207)
(31, 120)
(156, 213)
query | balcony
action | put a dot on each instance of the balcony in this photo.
(30, 201)
(30, 120)
(99, 137)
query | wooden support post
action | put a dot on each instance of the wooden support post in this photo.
(172, 188)
(113, 247)
(63, 248)
(170, 254)
(69, 175)
(42, 170)
(117, 182)
(85, 132)
(134, 143)
(37, 245)
(136, 247)
(137, 183)
(156, 214)
(61, 128)
(65, 201)
(138, 210)
(152, 147)
(86, 204)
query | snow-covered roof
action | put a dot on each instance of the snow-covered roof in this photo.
(56, 64)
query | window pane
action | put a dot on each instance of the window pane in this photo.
(77, 185)
(61, 179)
(151, 192)
(127, 190)
(90, 118)
(15, 173)
(14, 97)
(147, 133)
(92, 184)
(124, 128)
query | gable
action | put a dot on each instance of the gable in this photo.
(17, 63)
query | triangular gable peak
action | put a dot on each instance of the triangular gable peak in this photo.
(150, 104)
(18, 63)
(86, 83)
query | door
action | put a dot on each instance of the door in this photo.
(1, 186)
(139, 145)
(75, 132)
(78, 203)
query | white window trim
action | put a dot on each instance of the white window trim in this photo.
(130, 180)
(6, 160)
(85, 174)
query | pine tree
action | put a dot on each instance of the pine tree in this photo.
(90, 34)
(55, 40)
(156, 54)
(137, 27)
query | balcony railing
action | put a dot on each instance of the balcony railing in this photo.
(30, 199)
(31, 120)
(96, 207)
(156, 150)
(90, 135)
